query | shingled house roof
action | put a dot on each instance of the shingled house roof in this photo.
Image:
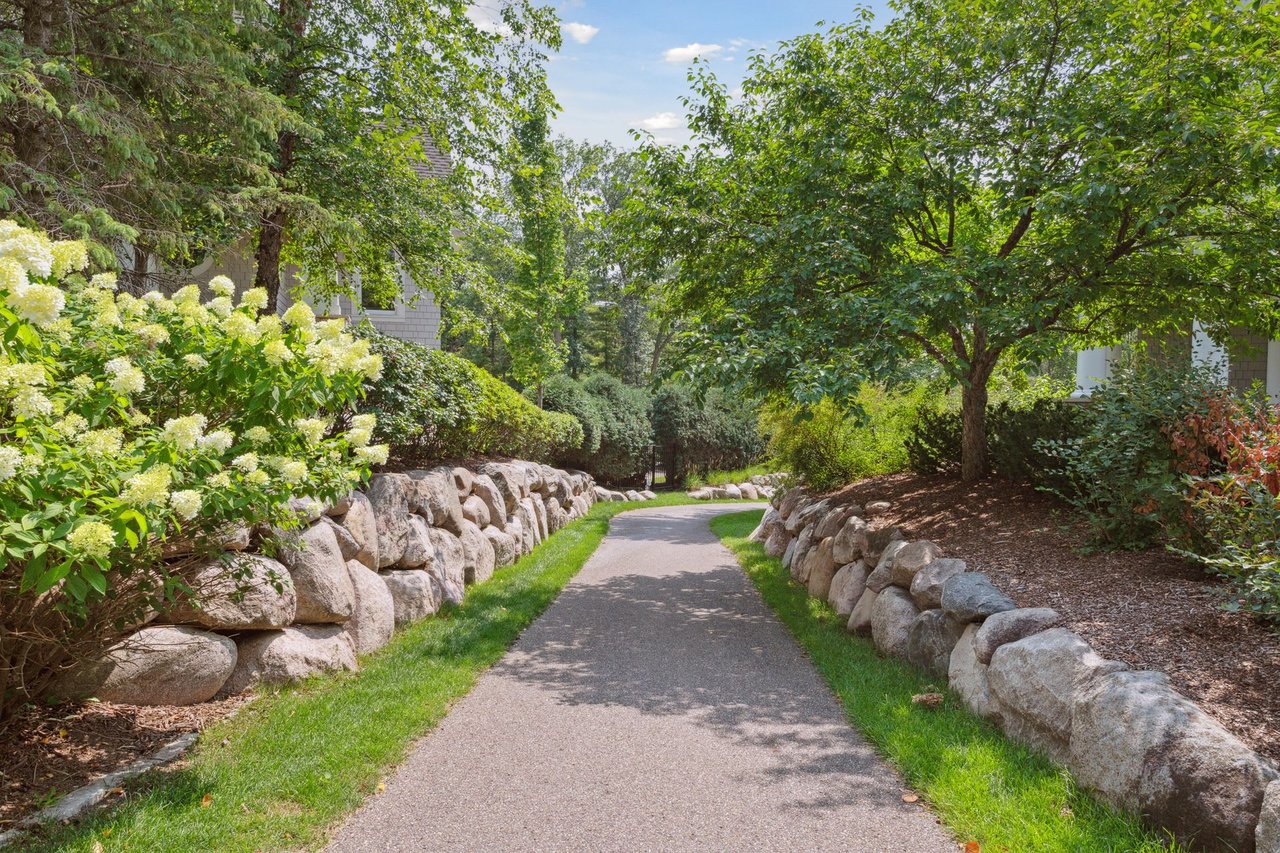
(435, 163)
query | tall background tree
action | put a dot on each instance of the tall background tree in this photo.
(972, 182)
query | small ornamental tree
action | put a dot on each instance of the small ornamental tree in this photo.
(137, 433)
(972, 180)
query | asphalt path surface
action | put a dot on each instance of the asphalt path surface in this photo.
(658, 704)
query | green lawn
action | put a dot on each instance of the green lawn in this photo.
(290, 765)
(984, 787)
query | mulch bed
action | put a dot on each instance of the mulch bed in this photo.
(46, 752)
(1151, 609)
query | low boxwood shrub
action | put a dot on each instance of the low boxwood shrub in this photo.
(136, 432)
(567, 395)
(435, 405)
(625, 433)
(696, 435)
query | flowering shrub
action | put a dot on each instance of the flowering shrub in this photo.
(136, 429)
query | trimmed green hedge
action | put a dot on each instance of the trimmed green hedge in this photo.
(435, 405)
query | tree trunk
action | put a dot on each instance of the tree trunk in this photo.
(267, 256)
(975, 463)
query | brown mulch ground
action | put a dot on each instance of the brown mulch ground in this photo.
(1150, 609)
(46, 752)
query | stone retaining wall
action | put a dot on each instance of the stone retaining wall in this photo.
(759, 487)
(1125, 735)
(340, 585)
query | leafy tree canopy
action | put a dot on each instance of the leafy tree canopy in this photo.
(974, 179)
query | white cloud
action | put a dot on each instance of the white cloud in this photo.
(488, 19)
(691, 51)
(662, 121)
(581, 33)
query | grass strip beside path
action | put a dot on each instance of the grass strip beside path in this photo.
(986, 788)
(286, 769)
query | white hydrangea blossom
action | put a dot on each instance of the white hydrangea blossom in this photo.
(195, 360)
(365, 421)
(277, 352)
(257, 436)
(148, 487)
(186, 503)
(69, 256)
(126, 379)
(246, 462)
(218, 441)
(13, 275)
(105, 281)
(92, 539)
(37, 303)
(254, 299)
(184, 433)
(258, 478)
(220, 285)
(242, 328)
(71, 425)
(375, 455)
(293, 471)
(220, 306)
(152, 333)
(312, 429)
(300, 316)
(359, 437)
(104, 443)
(30, 404)
(10, 462)
(221, 480)
(34, 251)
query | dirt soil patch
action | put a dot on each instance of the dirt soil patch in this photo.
(47, 752)
(1151, 609)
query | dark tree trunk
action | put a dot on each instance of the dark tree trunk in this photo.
(267, 256)
(975, 460)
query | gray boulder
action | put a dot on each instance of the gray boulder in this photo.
(557, 518)
(511, 482)
(1267, 836)
(463, 481)
(449, 567)
(320, 579)
(930, 641)
(389, 497)
(926, 586)
(437, 492)
(730, 491)
(972, 597)
(1038, 682)
(484, 488)
(860, 616)
(361, 523)
(1009, 626)
(800, 559)
(811, 514)
(374, 616)
(504, 547)
(251, 591)
(879, 541)
(851, 540)
(882, 575)
(415, 594)
(475, 510)
(160, 665)
(967, 677)
(876, 508)
(339, 507)
(747, 490)
(911, 558)
(347, 544)
(830, 524)
(417, 545)
(821, 569)
(478, 557)
(1143, 747)
(776, 544)
(891, 619)
(290, 655)
(789, 554)
(539, 507)
(769, 522)
(847, 587)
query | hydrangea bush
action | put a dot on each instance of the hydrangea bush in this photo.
(137, 433)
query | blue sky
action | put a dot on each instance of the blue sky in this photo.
(624, 64)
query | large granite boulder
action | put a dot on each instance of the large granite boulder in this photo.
(449, 567)
(851, 540)
(415, 594)
(417, 545)
(484, 488)
(1267, 835)
(476, 511)
(320, 578)
(360, 521)
(1143, 747)
(972, 597)
(289, 655)
(1009, 626)
(539, 508)
(882, 575)
(778, 540)
(891, 620)
(437, 492)
(159, 665)
(478, 558)
(348, 547)
(748, 491)
(862, 613)
(557, 518)
(811, 514)
(799, 567)
(847, 587)
(769, 522)
(251, 591)
(832, 521)
(930, 641)
(821, 569)
(511, 482)
(389, 496)
(730, 490)
(926, 586)
(967, 677)
(374, 616)
(911, 558)
(1038, 682)
(880, 540)
(505, 550)
(463, 481)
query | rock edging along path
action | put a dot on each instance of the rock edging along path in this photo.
(657, 704)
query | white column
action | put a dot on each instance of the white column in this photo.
(1273, 371)
(1093, 368)
(1205, 352)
